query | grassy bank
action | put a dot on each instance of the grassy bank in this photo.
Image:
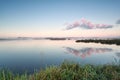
(68, 71)
(112, 41)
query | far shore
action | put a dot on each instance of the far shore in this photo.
(108, 41)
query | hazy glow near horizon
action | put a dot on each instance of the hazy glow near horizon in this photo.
(47, 18)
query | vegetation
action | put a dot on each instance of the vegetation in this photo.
(68, 71)
(111, 41)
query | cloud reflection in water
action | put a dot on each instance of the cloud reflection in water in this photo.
(84, 52)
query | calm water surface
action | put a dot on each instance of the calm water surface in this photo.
(28, 55)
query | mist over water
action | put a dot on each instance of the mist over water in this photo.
(28, 55)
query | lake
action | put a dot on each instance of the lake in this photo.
(27, 55)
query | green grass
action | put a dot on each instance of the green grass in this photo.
(68, 71)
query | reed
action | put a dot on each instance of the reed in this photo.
(68, 71)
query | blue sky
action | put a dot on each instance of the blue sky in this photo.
(42, 18)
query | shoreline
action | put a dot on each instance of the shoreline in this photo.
(112, 41)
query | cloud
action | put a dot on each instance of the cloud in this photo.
(83, 23)
(118, 21)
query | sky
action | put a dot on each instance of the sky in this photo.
(59, 18)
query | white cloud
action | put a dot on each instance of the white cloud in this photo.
(83, 23)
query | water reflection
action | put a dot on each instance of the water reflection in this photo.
(84, 52)
(117, 58)
(27, 55)
(118, 54)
